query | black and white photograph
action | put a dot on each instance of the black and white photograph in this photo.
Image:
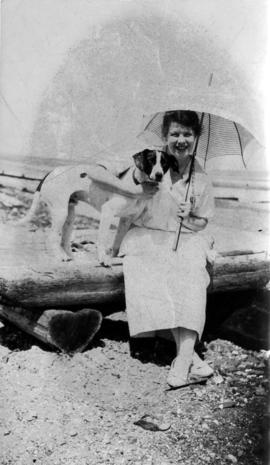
(134, 253)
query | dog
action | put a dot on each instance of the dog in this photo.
(62, 188)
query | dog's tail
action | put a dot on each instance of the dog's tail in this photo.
(30, 214)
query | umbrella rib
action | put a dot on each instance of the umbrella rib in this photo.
(240, 143)
(208, 139)
(149, 122)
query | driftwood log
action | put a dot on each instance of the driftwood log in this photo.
(83, 284)
(31, 277)
(33, 282)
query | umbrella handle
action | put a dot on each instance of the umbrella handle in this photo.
(179, 226)
(177, 235)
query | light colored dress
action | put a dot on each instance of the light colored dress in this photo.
(166, 289)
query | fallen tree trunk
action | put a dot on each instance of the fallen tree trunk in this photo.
(72, 285)
(71, 332)
(35, 287)
(32, 278)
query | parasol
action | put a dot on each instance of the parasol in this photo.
(219, 137)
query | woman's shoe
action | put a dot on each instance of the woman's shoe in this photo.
(177, 377)
(176, 380)
(200, 368)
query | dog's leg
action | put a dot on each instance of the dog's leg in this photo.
(123, 227)
(104, 238)
(31, 212)
(68, 228)
(58, 218)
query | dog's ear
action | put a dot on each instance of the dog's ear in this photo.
(139, 159)
(173, 163)
(165, 162)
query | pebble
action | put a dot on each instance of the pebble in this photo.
(227, 404)
(31, 416)
(200, 394)
(260, 391)
(232, 458)
(265, 354)
(205, 426)
(218, 379)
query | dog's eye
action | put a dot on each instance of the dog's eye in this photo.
(164, 157)
(151, 156)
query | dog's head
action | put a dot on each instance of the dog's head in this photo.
(154, 163)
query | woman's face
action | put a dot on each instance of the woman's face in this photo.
(180, 140)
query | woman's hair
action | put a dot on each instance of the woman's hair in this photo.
(185, 117)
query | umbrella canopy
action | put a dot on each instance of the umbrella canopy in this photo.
(219, 136)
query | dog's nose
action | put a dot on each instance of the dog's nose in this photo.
(158, 177)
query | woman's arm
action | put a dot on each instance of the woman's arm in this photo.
(197, 219)
(105, 179)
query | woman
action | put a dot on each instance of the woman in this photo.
(166, 289)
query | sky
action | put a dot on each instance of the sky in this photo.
(37, 35)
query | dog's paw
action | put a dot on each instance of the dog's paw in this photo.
(66, 259)
(105, 259)
(212, 256)
(115, 251)
(64, 256)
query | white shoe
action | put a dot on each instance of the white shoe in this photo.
(178, 374)
(199, 367)
(177, 379)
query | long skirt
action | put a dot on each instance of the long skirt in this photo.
(164, 289)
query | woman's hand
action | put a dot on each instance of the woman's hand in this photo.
(188, 219)
(183, 210)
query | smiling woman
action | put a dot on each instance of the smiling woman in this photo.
(166, 289)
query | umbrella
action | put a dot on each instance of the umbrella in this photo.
(219, 137)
